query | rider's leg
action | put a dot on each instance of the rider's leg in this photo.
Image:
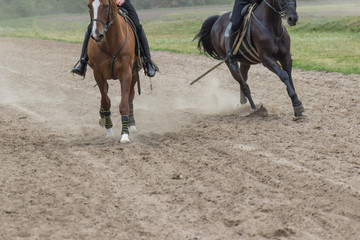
(80, 67)
(235, 20)
(151, 68)
(229, 48)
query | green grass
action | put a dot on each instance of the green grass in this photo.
(59, 28)
(327, 44)
(333, 52)
(318, 43)
(175, 36)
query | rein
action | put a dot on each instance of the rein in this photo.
(282, 8)
(282, 15)
(276, 39)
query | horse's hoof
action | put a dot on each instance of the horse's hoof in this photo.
(102, 122)
(301, 118)
(125, 139)
(297, 118)
(109, 133)
(132, 129)
(298, 110)
(259, 112)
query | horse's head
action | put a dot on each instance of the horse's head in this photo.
(102, 15)
(286, 8)
(289, 8)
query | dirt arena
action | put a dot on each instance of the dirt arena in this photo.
(200, 166)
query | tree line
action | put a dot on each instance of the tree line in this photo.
(26, 8)
(146, 4)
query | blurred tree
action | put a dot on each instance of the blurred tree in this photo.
(26, 8)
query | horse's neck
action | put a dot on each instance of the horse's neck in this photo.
(271, 20)
(115, 33)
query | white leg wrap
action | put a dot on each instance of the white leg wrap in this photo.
(132, 129)
(109, 133)
(102, 122)
(125, 138)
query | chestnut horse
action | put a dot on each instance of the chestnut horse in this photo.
(266, 40)
(112, 56)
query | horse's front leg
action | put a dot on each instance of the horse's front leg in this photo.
(124, 106)
(285, 78)
(244, 69)
(286, 64)
(105, 113)
(244, 88)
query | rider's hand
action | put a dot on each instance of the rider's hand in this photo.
(120, 2)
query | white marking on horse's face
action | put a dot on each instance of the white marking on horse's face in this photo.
(96, 5)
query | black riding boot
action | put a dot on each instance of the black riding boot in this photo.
(229, 48)
(151, 67)
(80, 66)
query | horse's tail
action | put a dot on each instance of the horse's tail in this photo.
(204, 44)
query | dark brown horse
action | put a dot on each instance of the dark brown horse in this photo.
(265, 41)
(112, 56)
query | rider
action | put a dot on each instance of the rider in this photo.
(126, 4)
(235, 20)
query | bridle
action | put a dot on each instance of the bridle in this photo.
(282, 8)
(108, 22)
(281, 12)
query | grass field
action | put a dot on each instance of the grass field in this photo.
(326, 38)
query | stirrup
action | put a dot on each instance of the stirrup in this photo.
(155, 67)
(152, 64)
(76, 67)
(149, 70)
(76, 64)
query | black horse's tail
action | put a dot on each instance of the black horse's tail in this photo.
(204, 44)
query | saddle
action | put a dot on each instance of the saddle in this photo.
(139, 51)
(124, 13)
(243, 45)
(244, 12)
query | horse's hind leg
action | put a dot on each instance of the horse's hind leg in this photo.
(105, 113)
(244, 69)
(132, 127)
(245, 90)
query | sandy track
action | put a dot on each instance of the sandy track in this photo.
(199, 168)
